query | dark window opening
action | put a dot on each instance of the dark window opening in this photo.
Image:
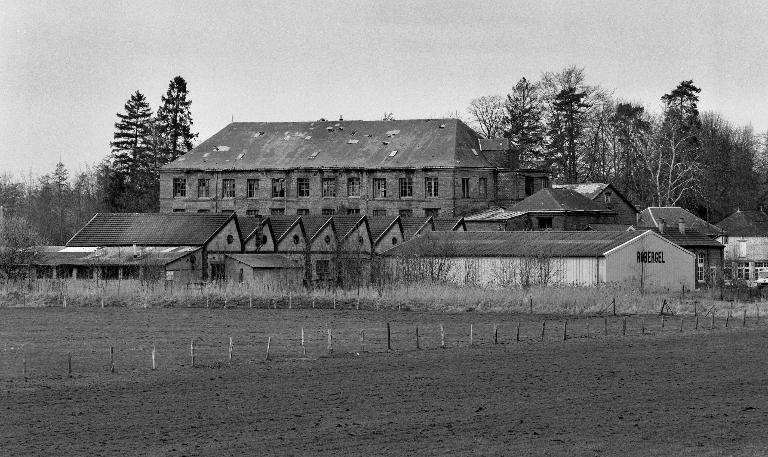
(227, 188)
(406, 187)
(203, 188)
(253, 188)
(545, 223)
(464, 187)
(302, 187)
(179, 187)
(278, 187)
(529, 185)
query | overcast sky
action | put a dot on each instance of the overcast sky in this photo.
(67, 67)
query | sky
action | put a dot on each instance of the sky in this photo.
(67, 68)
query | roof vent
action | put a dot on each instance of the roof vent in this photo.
(393, 153)
(329, 128)
(221, 148)
(314, 154)
(337, 124)
(392, 132)
(474, 151)
(240, 156)
(442, 126)
(352, 141)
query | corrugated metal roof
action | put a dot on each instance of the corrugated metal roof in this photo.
(649, 217)
(149, 229)
(494, 214)
(116, 256)
(558, 200)
(746, 223)
(265, 260)
(513, 244)
(420, 143)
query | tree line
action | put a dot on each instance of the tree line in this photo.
(57, 204)
(676, 156)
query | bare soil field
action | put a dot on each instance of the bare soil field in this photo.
(652, 392)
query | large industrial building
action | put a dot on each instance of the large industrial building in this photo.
(411, 168)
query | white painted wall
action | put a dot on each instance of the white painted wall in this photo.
(621, 264)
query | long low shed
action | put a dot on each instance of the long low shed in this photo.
(643, 258)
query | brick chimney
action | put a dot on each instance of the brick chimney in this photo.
(681, 225)
(662, 225)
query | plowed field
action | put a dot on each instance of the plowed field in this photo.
(695, 392)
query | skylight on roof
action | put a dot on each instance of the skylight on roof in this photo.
(329, 128)
(393, 153)
(221, 148)
(240, 156)
(308, 137)
(352, 141)
(206, 154)
(392, 132)
(314, 154)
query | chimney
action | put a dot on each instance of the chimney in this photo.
(341, 118)
(662, 225)
(681, 225)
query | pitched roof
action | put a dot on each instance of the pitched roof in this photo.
(548, 200)
(609, 227)
(345, 224)
(412, 224)
(588, 189)
(649, 217)
(494, 144)
(494, 214)
(114, 255)
(248, 225)
(444, 224)
(265, 260)
(280, 224)
(380, 224)
(150, 229)
(512, 244)
(746, 223)
(420, 143)
(313, 224)
(691, 238)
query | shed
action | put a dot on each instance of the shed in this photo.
(265, 270)
(643, 258)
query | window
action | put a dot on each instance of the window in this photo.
(302, 212)
(379, 212)
(434, 212)
(607, 199)
(278, 187)
(406, 187)
(482, 189)
(203, 188)
(546, 223)
(178, 210)
(253, 188)
(700, 267)
(742, 248)
(742, 271)
(328, 212)
(529, 185)
(406, 212)
(379, 187)
(464, 187)
(353, 187)
(179, 187)
(352, 211)
(329, 187)
(203, 211)
(276, 211)
(302, 187)
(227, 188)
(323, 269)
(251, 212)
(545, 182)
(431, 187)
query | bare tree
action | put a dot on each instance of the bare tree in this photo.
(487, 113)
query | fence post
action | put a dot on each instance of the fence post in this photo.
(442, 336)
(517, 332)
(681, 323)
(24, 364)
(624, 327)
(362, 340)
(543, 327)
(727, 318)
(111, 359)
(712, 326)
(471, 334)
(313, 302)
(334, 301)
(69, 364)
(531, 302)
(230, 349)
(744, 320)
(697, 323)
(269, 343)
(614, 306)
(290, 300)
(605, 326)
(389, 338)
(192, 351)
(565, 330)
(154, 365)
(417, 337)
(662, 322)
(303, 348)
(250, 299)
(495, 334)
(642, 322)
(357, 305)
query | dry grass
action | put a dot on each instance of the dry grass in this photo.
(555, 300)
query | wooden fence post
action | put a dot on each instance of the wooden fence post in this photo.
(313, 302)
(565, 330)
(605, 326)
(471, 334)
(681, 323)
(290, 300)
(697, 323)
(442, 336)
(642, 322)
(69, 364)
(192, 351)
(531, 302)
(154, 365)
(417, 337)
(357, 305)
(250, 299)
(334, 301)
(389, 338)
(303, 348)
(727, 318)
(269, 343)
(495, 334)
(543, 327)
(624, 327)
(362, 340)
(712, 326)
(517, 332)
(662, 322)
(230, 349)
(744, 319)
(111, 359)
(614, 306)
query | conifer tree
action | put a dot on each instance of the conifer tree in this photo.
(523, 121)
(175, 121)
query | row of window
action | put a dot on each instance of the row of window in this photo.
(405, 187)
(434, 212)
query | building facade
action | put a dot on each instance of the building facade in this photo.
(432, 167)
(745, 236)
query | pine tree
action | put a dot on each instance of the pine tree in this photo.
(523, 122)
(569, 107)
(175, 121)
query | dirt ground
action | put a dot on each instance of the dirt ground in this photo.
(696, 392)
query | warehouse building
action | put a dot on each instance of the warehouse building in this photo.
(641, 258)
(418, 167)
